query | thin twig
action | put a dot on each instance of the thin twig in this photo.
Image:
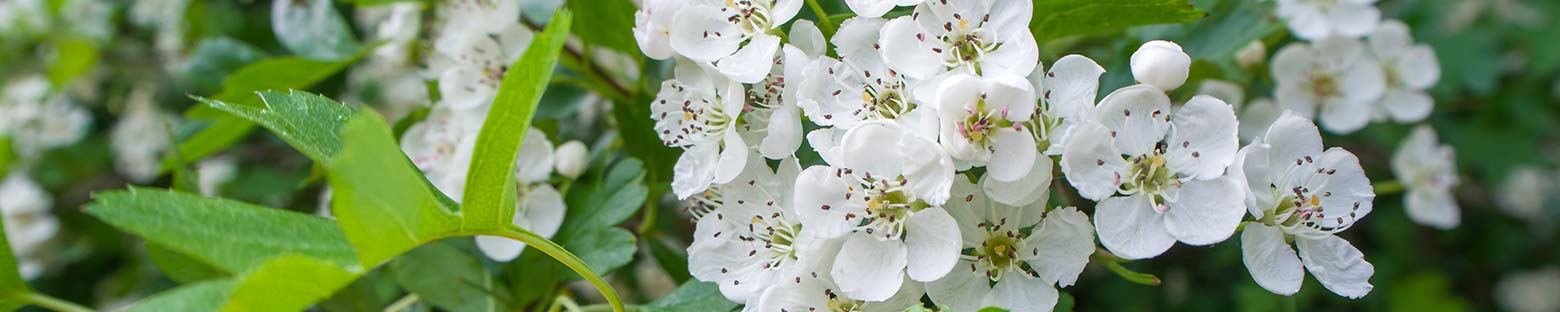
(580, 57)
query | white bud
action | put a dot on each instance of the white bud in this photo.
(571, 159)
(1252, 54)
(1161, 64)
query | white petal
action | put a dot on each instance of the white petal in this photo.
(933, 242)
(873, 147)
(1032, 187)
(1354, 20)
(1208, 212)
(1418, 68)
(783, 11)
(534, 163)
(928, 175)
(1018, 54)
(806, 36)
(1391, 37)
(1292, 63)
(908, 296)
(870, 8)
(1161, 64)
(826, 142)
(1205, 138)
(1011, 96)
(733, 157)
(856, 37)
(1130, 228)
(1435, 208)
(753, 61)
(1226, 91)
(1256, 118)
(1013, 156)
(960, 290)
(1091, 161)
(906, 54)
(463, 89)
(1407, 106)
(499, 248)
(1292, 138)
(1138, 116)
(1072, 85)
(702, 33)
(784, 134)
(1337, 264)
(1272, 263)
(805, 296)
(694, 171)
(543, 211)
(1060, 248)
(1022, 293)
(969, 209)
(1347, 192)
(870, 269)
(817, 188)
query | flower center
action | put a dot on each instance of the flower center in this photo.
(968, 41)
(842, 304)
(978, 123)
(999, 253)
(1324, 86)
(1300, 209)
(1149, 175)
(752, 17)
(888, 206)
(777, 236)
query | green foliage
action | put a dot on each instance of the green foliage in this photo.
(447, 277)
(11, 285)
(179, 267)
(1061, 18)
(596, 206)
(611, 24)
(489, 197)
(202, 296)
(1230, 26)
(384, 205)
(214, 58)
(693, 296)
(309, 122)
(72, 58)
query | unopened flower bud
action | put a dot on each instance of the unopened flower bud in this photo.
(1251, 55)
(571, 159)
(1161, 64)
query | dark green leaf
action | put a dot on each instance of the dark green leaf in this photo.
(181, 268)
(1231, 26)
(537, 275)
(673, 260)
(202, 296)
(604, 250)
(372, 291)
(1060, 18)
(493, 161)
(600, 204)
(214, 58)
(447, 277)
(693, 296)
(309, 122)
(611, 24)
(232, 236)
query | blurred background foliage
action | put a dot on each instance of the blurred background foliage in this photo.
(1497, 104)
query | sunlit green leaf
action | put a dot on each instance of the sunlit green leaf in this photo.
(309, 122)
(11, 284)
(72, 57)
(1060, 18)
(202, 296)
(384, 206)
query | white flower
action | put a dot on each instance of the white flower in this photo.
(212, 173)
(989, 38)
(28, 223)
(472, 63)
(652, 27)
(1317, 19)
(1333, 75)
(1409, 69)
(698, 112)
(1161, 64)
(1299, 193)
(22, 18)
(1055, 249)
(1252, 54)
(1428, 171)
(891, 151)
(1531, 291)
(748, 238)
(773, 118)
(1226, 91)
(819, 293)
(540, 208)
(141, 136)
(888, 233)
(984, 122)
(1525, 193)
(571, 159)
(1070, 89)
(857, 87)
(876, 8)
(733, 35)
(1131, 150)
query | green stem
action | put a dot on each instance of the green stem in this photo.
(1388, 187)
(647, 221)
(823, 17)
(52, 303)
(568, 259)
(1289, 304)
(403, 303)
(1114, 264)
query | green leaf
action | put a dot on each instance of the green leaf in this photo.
(1061, 18)
(6, 155)
(310, 123)
(539, 274)
(11, 284)
(202, 296)
(372, 291)
(72, 58)
(384, 205)
(287, 283)
(364, 3)
(604, 250)
(693, 296)
(1231, 26)
(599, 204)
(181, 268)
(673, 260)
(446, 277)
(493, 161)
(611, 24)
(312, 29)
(232, 236)
(215, 58)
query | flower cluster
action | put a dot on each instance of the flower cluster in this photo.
(937, 133)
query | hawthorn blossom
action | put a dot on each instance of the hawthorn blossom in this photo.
(1409, 69)
(1428, 171)
(888, 231)
(1525, 193)
(441, 147)
(820, 293)
(1299, 193)
(28, 222)
(1255, 115)
(478, 42)
(876, 8)
(989, 38)
(1529, 291)
(37, 120)
(652, 27)
(571, 158)
(698, 112)
(1334, 76)
(211, 174)
(748, 237)
(1318, 19)
(1129, 159)
(858, 86)
(1252, 54)
(773, 118)
(1055, 250)
(1161, 64)
(983, 122)
(734, 36)
(141, 136)
(1070, 87)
